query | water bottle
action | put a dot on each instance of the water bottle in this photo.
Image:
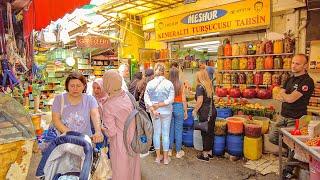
(143, 139)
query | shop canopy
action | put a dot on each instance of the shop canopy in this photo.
(41, 12)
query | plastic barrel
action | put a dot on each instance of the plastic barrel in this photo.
(197, 140)
(235, 145)
(187, 137)
(252, 148)
(224, 112)
(219, 145)
(189, 121)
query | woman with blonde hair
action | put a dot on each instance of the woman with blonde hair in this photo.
(115, 113)
(158, 97)
(204, 100)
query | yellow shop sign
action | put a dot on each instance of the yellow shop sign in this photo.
(243, 15)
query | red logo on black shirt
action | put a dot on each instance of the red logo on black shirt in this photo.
(305, 88)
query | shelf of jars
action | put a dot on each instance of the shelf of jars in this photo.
(250, 78)
(256, 70)
(255, 55)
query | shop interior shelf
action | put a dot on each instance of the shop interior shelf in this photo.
(257, 70)
(256, 55)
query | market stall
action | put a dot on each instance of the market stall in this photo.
(248, 44)
(305, 146)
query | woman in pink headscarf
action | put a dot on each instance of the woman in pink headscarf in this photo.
(115, 113)
(101, 97)
(98, 92)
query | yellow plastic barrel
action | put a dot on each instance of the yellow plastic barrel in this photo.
(252, 148)
(263, 121)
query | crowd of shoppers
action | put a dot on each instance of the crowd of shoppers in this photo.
(109, 106)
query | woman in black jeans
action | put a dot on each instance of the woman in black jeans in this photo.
(204, 97)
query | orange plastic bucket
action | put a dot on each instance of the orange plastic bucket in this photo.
(235, 125)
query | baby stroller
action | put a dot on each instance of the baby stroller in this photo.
(69, 156)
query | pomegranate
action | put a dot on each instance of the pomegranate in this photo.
(235, 92)
(221, 92)
(264, 94)
(249, 93)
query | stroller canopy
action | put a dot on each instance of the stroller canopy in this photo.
(70, 153)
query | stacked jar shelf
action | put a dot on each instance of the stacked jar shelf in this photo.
(260, 64)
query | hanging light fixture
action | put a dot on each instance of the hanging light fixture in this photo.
(70, 61)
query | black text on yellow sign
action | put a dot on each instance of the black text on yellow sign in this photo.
(240, 15)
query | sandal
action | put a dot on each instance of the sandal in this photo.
(166, 161)
(158, 160)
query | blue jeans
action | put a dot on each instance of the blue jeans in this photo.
(161, 127)
(176, 126)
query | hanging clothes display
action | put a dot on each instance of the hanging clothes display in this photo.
(8, 78)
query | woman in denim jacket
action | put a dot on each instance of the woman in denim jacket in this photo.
(158, 97)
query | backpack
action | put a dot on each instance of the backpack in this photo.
(143, 134)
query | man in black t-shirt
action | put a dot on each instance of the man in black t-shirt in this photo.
(294, 96)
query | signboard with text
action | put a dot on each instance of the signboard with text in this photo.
(92, 42)
(248, 14)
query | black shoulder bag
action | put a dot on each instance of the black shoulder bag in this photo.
(203, 126)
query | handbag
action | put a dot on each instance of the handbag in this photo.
(203, 126)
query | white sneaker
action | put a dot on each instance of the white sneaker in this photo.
(170, 153)
(144, 155)
(180, 154)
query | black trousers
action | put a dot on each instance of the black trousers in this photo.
(207, 137)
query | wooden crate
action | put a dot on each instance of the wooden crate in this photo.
(10, 153)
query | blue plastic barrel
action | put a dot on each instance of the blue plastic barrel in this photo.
(224, 112)
(189, 121)
(187, 137)
(235, 145)
(219, 145)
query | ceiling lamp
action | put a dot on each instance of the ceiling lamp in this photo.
(70, 61)
(202, 44)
